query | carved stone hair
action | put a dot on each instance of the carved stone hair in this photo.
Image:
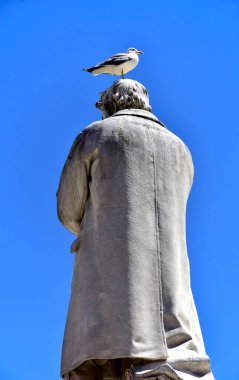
(123, 94)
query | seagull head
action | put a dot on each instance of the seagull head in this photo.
(133, 50)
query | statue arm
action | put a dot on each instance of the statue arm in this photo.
(73, 187)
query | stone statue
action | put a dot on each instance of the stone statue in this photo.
(123, 194)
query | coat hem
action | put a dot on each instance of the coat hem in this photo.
(65, 372)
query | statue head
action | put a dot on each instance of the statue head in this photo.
(123, 94)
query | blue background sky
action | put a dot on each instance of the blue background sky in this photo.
(190, 68)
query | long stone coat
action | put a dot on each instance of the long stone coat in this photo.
(123, 192)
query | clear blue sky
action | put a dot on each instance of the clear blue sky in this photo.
(190, 68)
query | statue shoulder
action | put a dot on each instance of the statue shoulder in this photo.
(99, 129)
(100, 124)
(179, 142)
(181, 148)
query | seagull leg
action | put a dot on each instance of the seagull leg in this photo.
(122, 74)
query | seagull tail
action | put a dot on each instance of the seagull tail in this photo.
(89, 70)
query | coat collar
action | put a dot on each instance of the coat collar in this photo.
(139, 113)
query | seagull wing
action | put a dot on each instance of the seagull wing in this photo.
(115, 60)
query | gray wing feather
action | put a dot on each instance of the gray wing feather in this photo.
(116, 59)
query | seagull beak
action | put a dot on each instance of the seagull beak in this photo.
(139, 52)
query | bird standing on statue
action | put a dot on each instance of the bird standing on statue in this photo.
(118, 64)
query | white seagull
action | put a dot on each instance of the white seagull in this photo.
(118, 64)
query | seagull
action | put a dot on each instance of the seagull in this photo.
(118, 64)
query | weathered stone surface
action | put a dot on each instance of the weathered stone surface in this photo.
(123, 193)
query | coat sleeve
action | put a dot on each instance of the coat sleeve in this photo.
(73, 188)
